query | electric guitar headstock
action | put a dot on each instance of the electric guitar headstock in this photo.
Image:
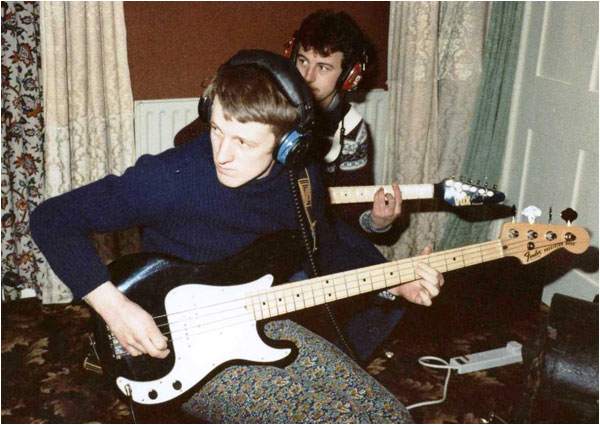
(457, 193)
(532, 241)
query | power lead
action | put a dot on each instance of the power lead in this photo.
(471, 363)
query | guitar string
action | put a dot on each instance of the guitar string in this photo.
(511, 248)
(469, 254)
(274, 310)
(354, 279)
(276, 307)
(344, 192)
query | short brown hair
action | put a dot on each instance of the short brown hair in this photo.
(248, 93)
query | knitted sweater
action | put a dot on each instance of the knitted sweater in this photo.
(185, 212)
(352, 167)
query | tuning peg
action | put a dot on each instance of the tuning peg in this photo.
(495, 187)
(470, 180)
(478, 181)
(514, 213)
(550, 216)
(569, 215)
(531, 212)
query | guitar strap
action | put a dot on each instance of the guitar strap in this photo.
(305, 188)
(300, 183)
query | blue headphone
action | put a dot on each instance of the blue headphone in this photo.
(293, 146)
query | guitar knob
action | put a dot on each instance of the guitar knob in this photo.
(532, 234)
(570, 237)
(550, 236)
(513, 233)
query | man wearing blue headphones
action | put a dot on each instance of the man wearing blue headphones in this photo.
(204, 202)
(330, 51)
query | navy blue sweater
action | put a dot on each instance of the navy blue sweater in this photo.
(185, 212)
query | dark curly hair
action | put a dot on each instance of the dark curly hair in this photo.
(328, 32)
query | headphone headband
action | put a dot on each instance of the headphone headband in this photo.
(287, 77)
(292, 147)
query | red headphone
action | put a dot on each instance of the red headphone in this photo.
(349, 78)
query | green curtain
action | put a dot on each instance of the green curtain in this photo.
(485, 147)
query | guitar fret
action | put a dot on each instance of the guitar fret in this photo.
(351, 194)
(316, 291)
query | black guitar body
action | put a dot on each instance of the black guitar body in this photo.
(147, 278)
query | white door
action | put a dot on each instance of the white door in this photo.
(552, 147)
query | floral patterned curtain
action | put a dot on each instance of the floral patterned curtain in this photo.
(22, 140)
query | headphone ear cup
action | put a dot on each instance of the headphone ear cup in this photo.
(290, 49)
(352, 78)
(204, 109)
(292, 149)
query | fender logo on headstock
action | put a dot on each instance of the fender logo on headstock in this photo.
(532, 255)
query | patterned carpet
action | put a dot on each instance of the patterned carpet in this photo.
(43, 349)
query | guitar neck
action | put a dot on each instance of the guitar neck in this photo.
(354, 194)
(300, 295)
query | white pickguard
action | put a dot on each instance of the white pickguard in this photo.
(210, 325)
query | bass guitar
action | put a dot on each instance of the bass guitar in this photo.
(454, 192)
(211, 319)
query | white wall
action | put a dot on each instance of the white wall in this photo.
(551, 158)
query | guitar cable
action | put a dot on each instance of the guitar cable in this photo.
(303, 219)
(443, 364)
(306, 239)
(129, 395)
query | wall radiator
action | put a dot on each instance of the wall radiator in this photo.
(158, 121)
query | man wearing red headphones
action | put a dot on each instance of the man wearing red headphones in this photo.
(330, 51)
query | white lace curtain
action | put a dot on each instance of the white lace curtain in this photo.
(88, 106)
(434, 72)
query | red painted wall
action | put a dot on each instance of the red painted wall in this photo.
(173, 46)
